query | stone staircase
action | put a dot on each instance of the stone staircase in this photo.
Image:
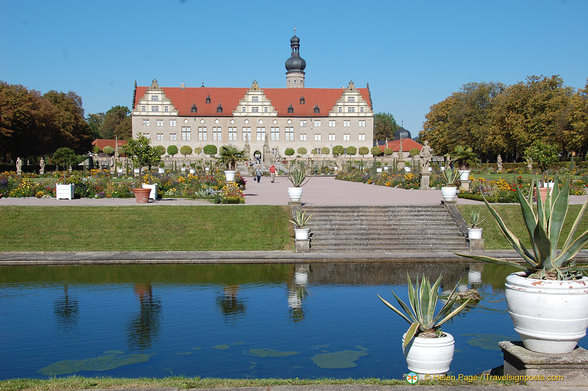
(384, 228)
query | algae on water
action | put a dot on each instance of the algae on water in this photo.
(270, 353)
(105, 362)
(339, 360)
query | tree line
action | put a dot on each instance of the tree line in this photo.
(493, 119)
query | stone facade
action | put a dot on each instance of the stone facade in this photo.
(256, 119)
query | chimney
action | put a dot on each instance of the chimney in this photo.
(182, 86)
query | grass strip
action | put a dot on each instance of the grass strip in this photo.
(88, 383)
(151, 228)
(512, 216)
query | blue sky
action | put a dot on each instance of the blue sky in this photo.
(412, 53)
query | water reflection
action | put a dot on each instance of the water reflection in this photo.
(297, 291)
(66, 309)
(231, 306)
(146, 324)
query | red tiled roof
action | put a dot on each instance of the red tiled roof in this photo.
(281, 99)
(103, 142)
(407, 145)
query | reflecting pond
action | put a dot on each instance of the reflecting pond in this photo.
(234, 321)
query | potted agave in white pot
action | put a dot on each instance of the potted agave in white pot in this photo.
(548, 299)
(299, 219)
(427, 349)
(474, 230)
(298, 178)
(449, 190)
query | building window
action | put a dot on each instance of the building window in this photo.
(265, 109)
(351, 109)
(302, 100)
(346, 137)
(255, 99)
(219, 108)
(332, 123)
(290, 109)
(159, 137)
(255, 109)
(194, 109)
(246, 134)
(317, 137)
(165, 108)
(302, 122)
(275, 134)
(172, 122)
(147, 135)
(216, 133)
(317, 123)
(244, 109)
(361, 123)
(186, 133)
(159, 122)
(289, 132)
(317, 109)
(346, 124)
(145, 122)
(207, 99)
(260, 134)
(154, 98)
(331, 137)
(362, 137)
(154, 108)
(142, 108)
(361, 109)
(232, 134)
(202, 133)
(351, 99)
(302, 136)
(340, 109)
(173, 137)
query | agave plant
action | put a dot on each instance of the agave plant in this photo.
(449, 176)
(544, 226)
(475, 219)
(300, 218)
(421, 313)
(298, 177)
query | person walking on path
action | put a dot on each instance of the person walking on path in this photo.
(272, 171)
(258, 173)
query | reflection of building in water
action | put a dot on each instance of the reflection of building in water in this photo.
(297, 291)
(66, 309)
(232, 307)
(145, 325)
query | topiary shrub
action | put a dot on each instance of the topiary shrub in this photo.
(186, 150)
(289, 151)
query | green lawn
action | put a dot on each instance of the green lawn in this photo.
(140, 228)
(511, 214)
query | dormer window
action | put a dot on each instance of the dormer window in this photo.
(208, 99)
(290, 109)
(351, 99)
(154, 98)
(302, 101)
(219, 108)
(254, 99)
(316, 109)
(194, 109)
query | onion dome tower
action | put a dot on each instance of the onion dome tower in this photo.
(295, 65)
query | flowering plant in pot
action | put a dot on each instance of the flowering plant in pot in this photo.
(548, 298)
(299, 219)
(427, 349)
(298, 179)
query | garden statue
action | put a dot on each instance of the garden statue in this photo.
(41, 166)
(425, 156)
(18, 166)
(499, 163)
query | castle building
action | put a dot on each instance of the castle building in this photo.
(265, 122)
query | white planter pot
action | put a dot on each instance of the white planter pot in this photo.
(429, 355)
(64, 192)
(295, 193)
(230, 176)
(153, 187)
(192, 171)
(474, 233)
(161, 170)
(407, 169)
(464, 175)
(449, 193)
(550, 316)
(474, 277)
(301, 233)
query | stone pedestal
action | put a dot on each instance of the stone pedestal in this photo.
(548, 370)
(425, 180)
(294, 204)
(465, 185)
(302, 246)
(476, 245)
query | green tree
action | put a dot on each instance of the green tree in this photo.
(464, 156)
(364, 151)
(229, 155)
(71, 129)
(376, 151)
(159, 149)
(575, 135)
(542, 154)
(117, 123)
(384, 126)
(64, 157)
(186, 150)
(338, 150)
(95, 122)
(142, 153)
(325, 150)
(351, 151)
(197, 150)
(388, 151)
(301, 151)
(108, 150)
(210, 150)
(289, 151)
(172, 150)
